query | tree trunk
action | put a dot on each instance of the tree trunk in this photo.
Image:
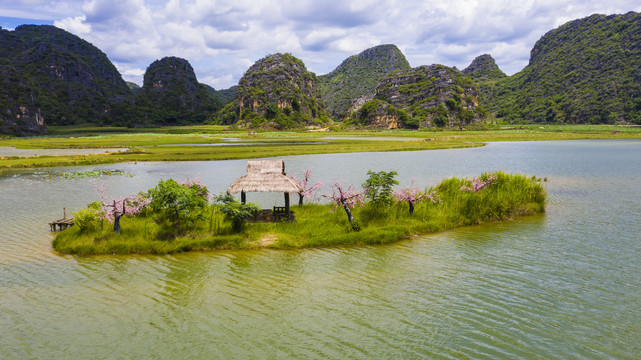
(300, 199)
(349, 214)
(411, 207)
(177, 219)
(117, 216)
(117, 222)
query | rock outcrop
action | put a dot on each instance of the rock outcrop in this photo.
(358, 75)
(278, 92)
(433, 95)
(484, 68)
(19, 114)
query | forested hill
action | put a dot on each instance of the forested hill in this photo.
(50, 74)
(170, 95)
(586, 71)
(484, 68)
(277, 92)
(358, 75)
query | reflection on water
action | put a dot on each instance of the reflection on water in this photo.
(561, 285)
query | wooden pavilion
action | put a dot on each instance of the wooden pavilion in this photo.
(266, 176)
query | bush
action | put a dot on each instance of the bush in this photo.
(88, 218)
(504, 197)
(235, 211)
(180, 204)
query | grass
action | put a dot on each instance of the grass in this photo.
(283, 147)
(508, 197)
(151, 144)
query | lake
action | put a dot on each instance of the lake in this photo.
(566, 284)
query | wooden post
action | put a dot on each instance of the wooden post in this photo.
(287, 203)
(64, 212)
(242, 197)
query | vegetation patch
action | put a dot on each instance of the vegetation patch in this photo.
(92, 173)
(147, 144)
(222, 224)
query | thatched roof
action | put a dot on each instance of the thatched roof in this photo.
(264, 176)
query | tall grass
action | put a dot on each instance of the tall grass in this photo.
(508, 197)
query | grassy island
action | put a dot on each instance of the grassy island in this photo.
(159, 222)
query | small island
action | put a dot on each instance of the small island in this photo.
(184, 216)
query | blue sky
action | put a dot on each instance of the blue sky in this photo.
(222, 38)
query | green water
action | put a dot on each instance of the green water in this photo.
(566, 284)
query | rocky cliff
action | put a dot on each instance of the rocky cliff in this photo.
(358, 75)
(433, 95)
(277, 91)
(19, 114)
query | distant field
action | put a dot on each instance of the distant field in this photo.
(160, 144)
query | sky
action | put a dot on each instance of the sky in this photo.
(222, 38)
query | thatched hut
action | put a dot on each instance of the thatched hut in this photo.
(265, 176)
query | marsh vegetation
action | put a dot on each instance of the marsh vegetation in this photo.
(181, 220)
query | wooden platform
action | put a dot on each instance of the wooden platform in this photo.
(62, 224)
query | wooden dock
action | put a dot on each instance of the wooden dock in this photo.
(63, 223)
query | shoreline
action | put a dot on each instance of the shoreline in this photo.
(163, 147)
(504, 197)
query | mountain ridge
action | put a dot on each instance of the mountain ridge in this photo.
(584, 71)
(358, 75)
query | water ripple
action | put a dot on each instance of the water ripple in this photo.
(562, 285)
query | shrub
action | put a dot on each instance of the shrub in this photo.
(178, 204)
(236, 212)
(88, 219)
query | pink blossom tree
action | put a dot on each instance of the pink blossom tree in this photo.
(345, 198)
(477, 183)
(307, 189)
(414, 196)
(113, 210)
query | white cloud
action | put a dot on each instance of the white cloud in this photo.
(222, 38)
(75, 25)
(41, 9)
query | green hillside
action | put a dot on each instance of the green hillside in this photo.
(586, 71)
(276, 92)
(358, 75)
(64, 78)
(170, 95)
(425, 96)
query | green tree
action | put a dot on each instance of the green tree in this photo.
(378, 187)
(181, 204)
